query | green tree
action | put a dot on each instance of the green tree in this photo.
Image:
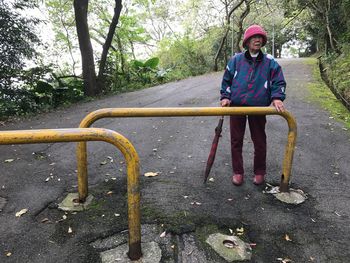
(17, 44)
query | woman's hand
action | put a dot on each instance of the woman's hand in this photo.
(278, 104)
(225, 102)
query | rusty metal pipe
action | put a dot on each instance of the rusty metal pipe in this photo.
(95, 134)
(183, 112)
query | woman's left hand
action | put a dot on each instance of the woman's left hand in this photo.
(278, 104)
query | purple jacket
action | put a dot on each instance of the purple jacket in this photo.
(253, 82)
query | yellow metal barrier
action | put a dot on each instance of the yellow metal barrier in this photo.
(178, 112)
(95, 134)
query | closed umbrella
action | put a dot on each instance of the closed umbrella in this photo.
(213, 149)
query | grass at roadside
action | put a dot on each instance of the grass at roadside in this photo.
(322, 95)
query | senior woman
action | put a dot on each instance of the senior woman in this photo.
(251, 78)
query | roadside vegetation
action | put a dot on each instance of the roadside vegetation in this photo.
(106, 47)
(322, 95)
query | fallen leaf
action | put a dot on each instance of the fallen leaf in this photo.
(47, 179)
(8, 254)
(312, 258)
(64, 217)
(9, 160)
(211, 179)
(229, 199)
(114, 178)
(240, 230)
(109, 192)
(103, 162)
(22, 212)
(70, 230)
(287, 238)
(155, 149)
(172, 246)
(284, 260)
(110, 159)
(185, 196)
(151, 174)
(231, 231)
(45, 220)
(163, 234)
(116, 215)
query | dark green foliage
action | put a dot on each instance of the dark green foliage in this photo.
(17, 43)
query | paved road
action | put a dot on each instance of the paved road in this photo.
(42, 174)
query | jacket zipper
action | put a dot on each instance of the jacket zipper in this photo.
(252, 72)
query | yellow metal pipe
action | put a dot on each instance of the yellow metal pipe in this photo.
(182, 112)
(95, 134)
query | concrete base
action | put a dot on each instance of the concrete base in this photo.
(68, 205)
(292, 197)
(151, 254)
(238, 251)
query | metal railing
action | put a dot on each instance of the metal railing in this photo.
(95, 134)
(182, 112)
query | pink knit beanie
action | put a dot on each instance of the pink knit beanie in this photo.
(254, 30)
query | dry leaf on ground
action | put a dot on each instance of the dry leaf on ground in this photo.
(287, 238)
(9, 160)
(151, 174)
(22, 212)
(163, 234)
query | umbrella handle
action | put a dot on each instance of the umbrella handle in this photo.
(218, 129)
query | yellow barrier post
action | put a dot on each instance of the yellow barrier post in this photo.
(182, 112)
(95, 134)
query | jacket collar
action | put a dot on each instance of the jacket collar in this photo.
(249, 57)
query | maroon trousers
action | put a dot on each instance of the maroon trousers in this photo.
(257, 130)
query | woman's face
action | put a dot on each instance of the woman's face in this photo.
(255, 43)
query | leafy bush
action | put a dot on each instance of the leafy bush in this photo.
(145, 70)
(38, 89)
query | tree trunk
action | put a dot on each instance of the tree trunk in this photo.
(223, 40)
(121, 53)
(108, 42)
(87, 56)
(240, 25)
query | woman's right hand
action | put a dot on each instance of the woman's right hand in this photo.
(225, 102)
